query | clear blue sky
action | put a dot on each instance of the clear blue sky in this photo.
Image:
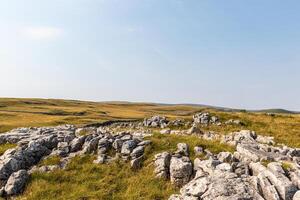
(242, 54)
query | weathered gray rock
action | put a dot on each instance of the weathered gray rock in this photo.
(273, 178)
(198, 150)
(180, 197)
(156, 121)
(77, 143)
(208, 166)
(162, 165)
(144, 143)
(103, 145)
(165, 131)
(283, 185)
(63, 149)
(205, 119)
(224, 167)
(197, 187)
(101, 159)
(90, 146)
(295, 177)
(265, 140)
(269, 191)
(252, 153)
(219, 184)
(194, 130)
(137, 152)
(297, 195)
(117, 144)
(181, 170)
(136, 163)
(128, 146)
(225, 157)
(183, 149)
(16, 182)
(234, 122)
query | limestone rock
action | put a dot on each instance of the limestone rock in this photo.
(128, 146)
(165, 131)
(198, 150)
(181, 170)
(194, 130)
(297, 195)
(137, 152)
(16, 182)
(162, 165)
(182, 149)
(136, 163)
(225, 157)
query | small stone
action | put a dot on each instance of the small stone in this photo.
(198, 150)
(165, 131)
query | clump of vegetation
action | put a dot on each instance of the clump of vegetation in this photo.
(286, 166)
(6, 146)
(265, 162)
(84, 132)
(51, 160)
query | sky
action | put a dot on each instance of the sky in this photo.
(239, 54)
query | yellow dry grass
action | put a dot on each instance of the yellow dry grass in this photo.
(47, 112)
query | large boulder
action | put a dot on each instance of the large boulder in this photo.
(181, 170)
(16, 182)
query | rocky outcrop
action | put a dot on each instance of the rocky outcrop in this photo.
(238, 175)
(35, 144)
(206, 119)
(156, 121)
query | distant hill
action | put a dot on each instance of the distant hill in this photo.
(225, 109)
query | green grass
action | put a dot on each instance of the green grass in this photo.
(4, 147)
(84, 180)
(51, 160)
(287, 166)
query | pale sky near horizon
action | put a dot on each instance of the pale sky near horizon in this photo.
(240, 54)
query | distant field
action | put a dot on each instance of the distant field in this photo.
(43, 112)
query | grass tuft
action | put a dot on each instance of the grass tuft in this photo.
(6, 146)
(51, 160)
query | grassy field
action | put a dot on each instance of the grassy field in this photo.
(43, 112)
(84, 180)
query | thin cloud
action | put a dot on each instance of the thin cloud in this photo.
(43, 33)
(133, 29)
